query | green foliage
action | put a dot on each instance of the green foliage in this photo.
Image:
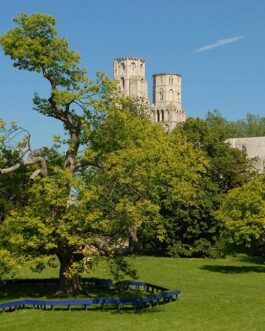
(191, 225)
(243, 215)
(120, 267)
(251, 126)
(193, 229)
(33, 45)
(151, 183)
(7, 264)
(13, 186)
(228, 167)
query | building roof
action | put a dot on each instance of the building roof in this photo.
(247, 138)
(129, 58)
(167, 74)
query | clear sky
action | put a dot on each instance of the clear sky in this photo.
(217, 45)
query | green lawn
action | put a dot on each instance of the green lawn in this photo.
(227, 294)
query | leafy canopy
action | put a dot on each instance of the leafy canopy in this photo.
(243, 215)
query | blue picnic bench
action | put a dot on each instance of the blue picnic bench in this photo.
(162, 296)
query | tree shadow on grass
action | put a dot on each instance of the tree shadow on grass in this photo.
(18, 290)
(26, 291)
(252, 259)
(233, 269)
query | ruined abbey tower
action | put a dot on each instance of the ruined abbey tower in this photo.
(130, 73)
(167, 108)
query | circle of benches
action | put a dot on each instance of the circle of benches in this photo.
(159, 295)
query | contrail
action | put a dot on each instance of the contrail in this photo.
(218, 43)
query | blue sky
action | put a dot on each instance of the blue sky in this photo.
(217, 46)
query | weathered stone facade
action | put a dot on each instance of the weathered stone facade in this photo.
(167, 108)
(253, 147)
(130, 73)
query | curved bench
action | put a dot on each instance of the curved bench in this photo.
(165, 296)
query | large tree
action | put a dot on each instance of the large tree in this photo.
(243, 215)
(52, 221)
(192, 227)
(155, 183)
(228, 167)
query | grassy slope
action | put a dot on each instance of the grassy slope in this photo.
(217, 295)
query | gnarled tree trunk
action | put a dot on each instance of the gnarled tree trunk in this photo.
(69, 279)
(134, 243)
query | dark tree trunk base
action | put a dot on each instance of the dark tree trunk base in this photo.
(69, 282)
(69, 287)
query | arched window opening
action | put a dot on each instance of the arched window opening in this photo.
(161, 80)
(161, 95)
(123, 66)
(171, 80)
(122, 82)
(170, 97)
(162, 115)
(158, 115)
(133, 65)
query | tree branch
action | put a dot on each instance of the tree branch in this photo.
(85, 163)
(36, 159)
(106, 246)
(48, 77)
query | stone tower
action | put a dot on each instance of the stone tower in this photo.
(130, 73)
(167, 108)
